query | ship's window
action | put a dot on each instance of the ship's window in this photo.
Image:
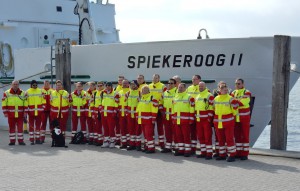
(46, 37)
(58, 8)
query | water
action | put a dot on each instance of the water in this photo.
(293, 123)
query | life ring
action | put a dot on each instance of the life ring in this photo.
(6, 66)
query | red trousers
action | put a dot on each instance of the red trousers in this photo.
(204, 134)
(98, 137)
(183, 136)
(118, 135)
(135, 131)
(92, 127)
(109, 125)
(217, 146)
(123, 129)
(45, 117)
(242, 133)
(160, 129)
(82, 120)
(226, 135)
(149, 136)
(193, 137)
(34, 127)
(14, 123)
(168, 133)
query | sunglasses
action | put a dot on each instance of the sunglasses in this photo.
(34, 85)
(170, 83)
(100, 85)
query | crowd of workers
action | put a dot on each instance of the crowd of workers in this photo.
(131, 111)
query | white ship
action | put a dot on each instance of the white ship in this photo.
(39, 23)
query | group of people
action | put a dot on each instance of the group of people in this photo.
(109, 116)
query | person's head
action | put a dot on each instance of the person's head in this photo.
(196, 79)
(59, 85)
(100, 85)
(223, 89)
(15, 85)
(155, 78)
(202, 86)
(46, 84)
(125, 83)
(181, 87)
(145, 90)
(177, 79)
(140, 79)
(108, 86)
(171, 83)
(134, 85)
(92, 85)
(221, 83)
(79, 86)
(239, 83)
(33, 84)
(120, 80)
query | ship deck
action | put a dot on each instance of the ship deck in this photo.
(86, 167)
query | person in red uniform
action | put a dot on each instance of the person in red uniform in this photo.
(36, 101)
(157, 89)
(98, 135)
(60, 100)
(167, 98)
(116, 90)
(121, 100)
(46, 114)
(146, 114)
(108, 110)
(182, 118)
(89, 109)
(203, 116)
(135, 131)
(14, 106)
(224, 120)
(78, 102)
(242, 128)
(193, 90)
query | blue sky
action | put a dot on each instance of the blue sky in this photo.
(159, 20)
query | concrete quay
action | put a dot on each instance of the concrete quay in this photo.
(87, 167)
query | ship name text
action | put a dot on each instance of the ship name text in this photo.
(184, 61)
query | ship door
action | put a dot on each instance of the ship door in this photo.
(44, 38)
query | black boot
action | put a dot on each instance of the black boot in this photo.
(130, 148)
(138, 148)
(220, 158)
(11, 144)
(123, 147)
(150, 151)
(166, 150)
(244, 158)
(201, 156)
(230, 159)
(178, 153)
